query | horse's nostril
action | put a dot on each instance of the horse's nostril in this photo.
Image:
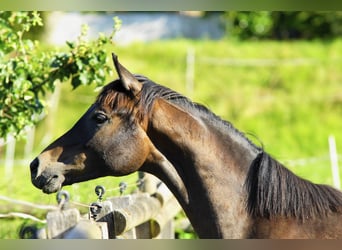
(34, 165)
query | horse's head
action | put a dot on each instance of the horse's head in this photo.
(109, 139)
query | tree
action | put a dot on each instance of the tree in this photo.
(283, 25)
(28, 72)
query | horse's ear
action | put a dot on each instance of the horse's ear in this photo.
(129, 82)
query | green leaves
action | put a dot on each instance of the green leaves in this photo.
(283, 24)
(28, 73)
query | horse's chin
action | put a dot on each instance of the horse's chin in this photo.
(49, 189)
(49, 184)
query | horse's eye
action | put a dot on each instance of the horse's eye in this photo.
(100, 117)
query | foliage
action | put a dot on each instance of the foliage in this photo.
(283, 25)
(248, 24)
(27, 74)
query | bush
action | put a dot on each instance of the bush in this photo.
(27, 73)
(283, 25)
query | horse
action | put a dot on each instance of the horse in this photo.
(227, 186)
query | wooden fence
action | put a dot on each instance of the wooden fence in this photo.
(146, 214)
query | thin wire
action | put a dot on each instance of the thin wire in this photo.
(52, 207)
(22, 215)
(80, 204)
(108, 190)
(127, 186)
(29, 204)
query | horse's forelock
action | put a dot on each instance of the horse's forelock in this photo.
(114, 98)
(119, 99)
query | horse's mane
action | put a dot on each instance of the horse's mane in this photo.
(273, 190)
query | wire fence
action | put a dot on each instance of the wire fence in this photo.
(148, 213)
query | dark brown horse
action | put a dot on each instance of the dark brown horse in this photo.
(227, 186)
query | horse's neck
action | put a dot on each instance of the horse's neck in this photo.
(213, 169)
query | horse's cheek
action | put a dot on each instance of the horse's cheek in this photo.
(127, 159)
(142, 150)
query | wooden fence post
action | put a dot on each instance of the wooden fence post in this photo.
(139, 215)
(142, 207)
(60, 221)
(150, 182)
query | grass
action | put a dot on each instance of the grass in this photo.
(290, 109)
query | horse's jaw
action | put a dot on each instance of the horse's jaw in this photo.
(53, 184)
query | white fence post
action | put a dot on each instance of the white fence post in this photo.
(29, 142)
(52, 109)
(334, 161)
(9, 157)
(190, 71)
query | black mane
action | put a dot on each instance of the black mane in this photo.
(273, 190)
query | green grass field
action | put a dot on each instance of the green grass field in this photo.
(283, 95)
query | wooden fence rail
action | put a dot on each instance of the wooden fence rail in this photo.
(136, 216)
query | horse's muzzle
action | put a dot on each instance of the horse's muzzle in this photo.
(48, 180)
